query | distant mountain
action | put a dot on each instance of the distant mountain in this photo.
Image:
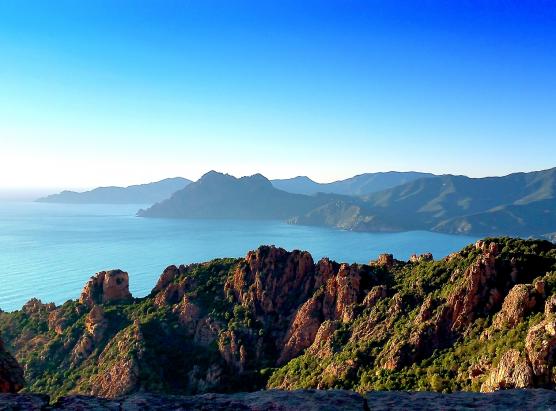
(519, 204)
(136, 194)
(218, 195)
(358, 185)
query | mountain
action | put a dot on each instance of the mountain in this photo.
(136, 194)
(217, 195)
(358, 185)
(481, 319)
(517, 204)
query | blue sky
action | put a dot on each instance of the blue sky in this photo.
(122, 92)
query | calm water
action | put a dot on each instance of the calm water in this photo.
(49, 251)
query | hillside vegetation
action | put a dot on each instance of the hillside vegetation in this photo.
(481, 319)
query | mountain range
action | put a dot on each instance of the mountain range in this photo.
(521, 204)
(136, 194)
(154, 192)
(358, 185)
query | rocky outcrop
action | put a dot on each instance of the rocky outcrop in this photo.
(384, 260)
(519, 302)
(274, 282)
(337, 301)
(421, 257)
(478, 292)
(106, 287)
(96, 323)
(11, 374)
(540, 346)
(513, 371)
(119, 364)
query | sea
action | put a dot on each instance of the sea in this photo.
(49, 251)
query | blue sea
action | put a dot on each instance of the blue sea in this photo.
(49, 251)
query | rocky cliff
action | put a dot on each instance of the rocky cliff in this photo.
(481, 319)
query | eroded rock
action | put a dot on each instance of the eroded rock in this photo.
(106, 287)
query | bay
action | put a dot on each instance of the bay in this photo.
(49, 251)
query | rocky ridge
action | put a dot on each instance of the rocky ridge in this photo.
(479, 319)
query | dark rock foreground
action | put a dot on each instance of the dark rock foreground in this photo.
(307, 400)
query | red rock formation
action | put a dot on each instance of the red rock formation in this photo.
(119, 364)
(273, 281)
(303, 329)
(342, 291)
(421, 257)
(519, 302)
(188, 313)
(96, 323)
(513, 371)
(478, 291)
(540, 346)
(106, 287)
(384, 260)
(376, 294)
(322, 344)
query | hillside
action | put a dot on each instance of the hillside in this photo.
(217, 195)
(136, 194)
(481, 319)
(358, 185)
(517, 204)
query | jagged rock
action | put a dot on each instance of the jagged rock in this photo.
(119, 364)
(341, 293)
(188, 313)
(384, 260)
(303, 330)
(322, 344)
(58, 321)
(36, 306)
(345, 289)
(376, 294)
(96, 323)
(550, 306)
(106, 287)
(232, 350)
(168, 275)
(11, 374)
(421, 257)
(480, 368)
(82, 349)
(273, 281)
(478, 291)
(519, 302)
(540, 346)
(513, 371)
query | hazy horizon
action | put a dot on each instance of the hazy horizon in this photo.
(95, 95)
(31, 193)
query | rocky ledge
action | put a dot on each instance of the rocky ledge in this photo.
(309, 400)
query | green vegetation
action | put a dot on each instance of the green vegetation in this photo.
(208, 339)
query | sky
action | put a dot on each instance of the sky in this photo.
(124, 92)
